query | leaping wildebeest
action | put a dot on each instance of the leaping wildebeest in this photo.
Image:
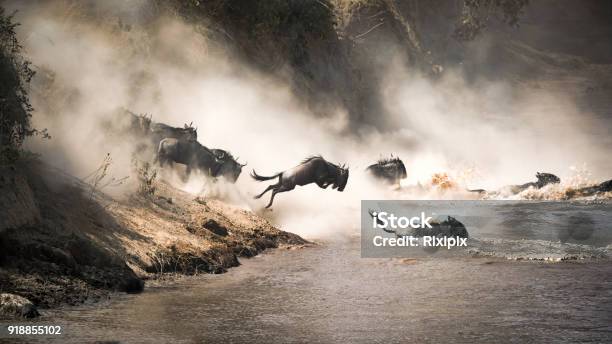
(314, 169)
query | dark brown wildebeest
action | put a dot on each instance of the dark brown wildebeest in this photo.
(590, 190)
(189, 153)
(230, 168)
(390, 170)
(193, 155)
(124, 122)
(543, 180)
(127, 123)
(160, 131)
(314, 169)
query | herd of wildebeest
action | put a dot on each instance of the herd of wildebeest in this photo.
(180, 145)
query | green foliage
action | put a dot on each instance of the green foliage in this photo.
(477, 13)
(15, 76)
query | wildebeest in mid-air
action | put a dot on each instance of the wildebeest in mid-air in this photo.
(390, 170)
(314, 169)
(196, 156)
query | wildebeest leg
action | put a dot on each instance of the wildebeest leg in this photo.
(187, 173)
(272, 198)
(270, 187)
(283, 188)
(323, 184)
(163, 161)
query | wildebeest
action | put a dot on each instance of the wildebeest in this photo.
(543, 180)
(314, 169)
(189, 153)
(390, 170)
(125, 122)
(230, 168)
(196, 156)
(160, 131)
(140, 124)
(591, 190)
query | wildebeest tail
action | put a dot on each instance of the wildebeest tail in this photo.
(257, 177)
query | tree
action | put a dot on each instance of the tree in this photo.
(15, 76)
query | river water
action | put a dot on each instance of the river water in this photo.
(329, 294)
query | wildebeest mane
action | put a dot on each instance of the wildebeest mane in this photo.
(394, 160)
(312, 157)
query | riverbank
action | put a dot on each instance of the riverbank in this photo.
(64, 243)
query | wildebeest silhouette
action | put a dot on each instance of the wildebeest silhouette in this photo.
(314, 169)
(390, 170)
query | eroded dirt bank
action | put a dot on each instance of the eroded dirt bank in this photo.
(61, 243)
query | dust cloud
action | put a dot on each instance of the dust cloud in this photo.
(481, 134)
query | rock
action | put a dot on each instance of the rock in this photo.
(245, 251)
(132, 285)
(215, 227)
(17, 306)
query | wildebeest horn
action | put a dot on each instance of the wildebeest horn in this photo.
(242, 165)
